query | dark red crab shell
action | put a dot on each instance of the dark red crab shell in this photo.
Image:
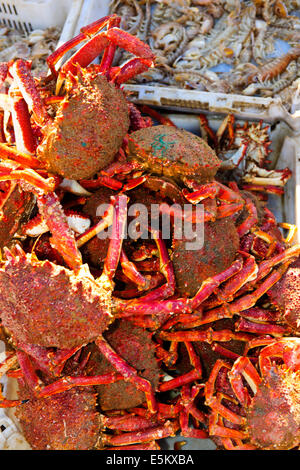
(48, 305)
(192, 267)
(273, 417)
(15, 207)
(285, 295)
(135, 345)
(66, 421)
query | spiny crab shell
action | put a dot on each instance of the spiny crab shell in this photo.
(273, 418)
(173, 153)
(66, 421)
(15, 207)
(221, 242)
(285, 294)
(135, 345)
(88, 128)
(56, 306)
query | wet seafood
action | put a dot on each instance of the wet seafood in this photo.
(97, 331)
(191, 39)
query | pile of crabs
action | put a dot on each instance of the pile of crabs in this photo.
(118, 342)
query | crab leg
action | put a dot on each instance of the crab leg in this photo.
(208, 336)
(286, 349)
(117, 236)
(266, 266)
(86, 32)
(250, 221)
(209, 285)
(10, 153)
(128, 372)
(21, 121)
(132, 68)
(243, 367)
(127, 422)
(131, 272)
(48, 360)
(109, 51)
(166, 268)
(260, 328)
(62, 237)
(130, 43)
(247, 273)
(104, 223)
(20, 71)
(30, 176)
(156, 432)
(156, 115)
(181, 380)
(68, 382)
(188, 396)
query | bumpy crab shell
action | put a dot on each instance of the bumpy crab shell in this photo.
(66, 421)
(173, 153)
(192, 267)
(48, 305)
(276, 426)
(88, 128)
(285, 294)
(133, 344)
(14, 211)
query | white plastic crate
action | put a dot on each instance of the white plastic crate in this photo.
(27, 15)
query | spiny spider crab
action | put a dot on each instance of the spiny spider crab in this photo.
(91, 116)
(69, 419)
(257, 411)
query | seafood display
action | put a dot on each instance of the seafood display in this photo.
(244, 47)
(146, 288)
(34, 46)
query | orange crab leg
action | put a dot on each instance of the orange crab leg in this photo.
(62, 237)
(250, 221)
(156, 115)
(11, 153)
(117, 236)
(132, 68)
(244, 367)
(28, 176)
(25, 141)
(85, 32)
(131, 271)
(130, 43)
(68, 382)
(181, 380)
(156, 432)
(206, 130)
(260, 328)
(109, 51)
(266, 266)
(210, 384)
(288, 349)
(20, 71)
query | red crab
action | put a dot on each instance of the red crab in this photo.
(92, 103)
(70, 420)
(15, 208)
(285, 296)
(257, 411)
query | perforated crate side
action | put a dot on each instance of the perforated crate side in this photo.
(27, 15)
